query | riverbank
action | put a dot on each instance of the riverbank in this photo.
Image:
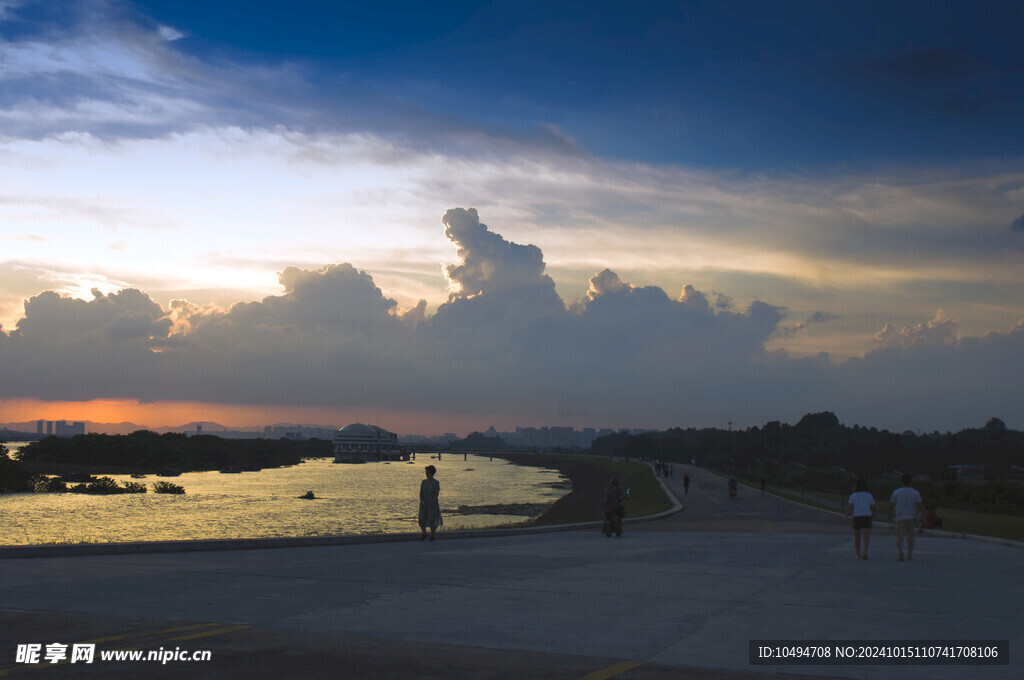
(145, 452)
(348, 499)
(590, 476)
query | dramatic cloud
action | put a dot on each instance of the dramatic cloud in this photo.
(934, 379)
(159, 155)
(493, 266)
(940, 331)
(504, 342)
(66, 348)
(130, 160)
(95, 214)
(606, 281)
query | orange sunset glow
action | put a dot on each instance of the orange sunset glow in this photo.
(161, 414)
(178, 413)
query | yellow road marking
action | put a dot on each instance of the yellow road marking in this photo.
(181, 628)
(210, 633)
(112, 638)
(47, 664)
(612, 671)
(115, 638)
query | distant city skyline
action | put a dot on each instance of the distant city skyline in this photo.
(283, 429)
(450, 217)
(526, 435)
(542, 437)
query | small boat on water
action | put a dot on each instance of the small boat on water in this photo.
(169, 472)
(138, 475)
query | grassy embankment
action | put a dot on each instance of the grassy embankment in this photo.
(590, 476)
(955, 521)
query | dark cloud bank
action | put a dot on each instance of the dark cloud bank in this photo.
(504, 342)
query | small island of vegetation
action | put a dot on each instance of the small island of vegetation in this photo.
(142, 452)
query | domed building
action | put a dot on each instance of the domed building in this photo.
(359, 442)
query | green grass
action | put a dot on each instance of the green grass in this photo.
(646, 496)
(982, 523)
(956, 521)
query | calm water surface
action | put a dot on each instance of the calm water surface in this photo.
(369, 498)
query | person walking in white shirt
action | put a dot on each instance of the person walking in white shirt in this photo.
(907, 505)
(861, 505)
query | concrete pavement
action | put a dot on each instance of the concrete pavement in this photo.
(680, 597)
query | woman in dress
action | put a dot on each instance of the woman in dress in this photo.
(430, 508)
(861, 505)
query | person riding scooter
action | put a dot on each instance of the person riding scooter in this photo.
(732, 487)
(613, 509)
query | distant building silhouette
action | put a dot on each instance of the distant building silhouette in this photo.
(62, 428)
(367, 443)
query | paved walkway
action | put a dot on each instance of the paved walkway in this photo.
(680, 597)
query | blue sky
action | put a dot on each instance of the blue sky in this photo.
(743, 85)
(838, 182)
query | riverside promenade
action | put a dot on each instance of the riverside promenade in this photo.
(679, 597)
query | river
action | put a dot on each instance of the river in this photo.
(350, 499)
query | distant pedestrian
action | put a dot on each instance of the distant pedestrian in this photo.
(430, 507)
(907, 505)
(686, 483)
(861, 505)
(764, 485)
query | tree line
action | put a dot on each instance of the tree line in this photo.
(149, 452)
(975, 468)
